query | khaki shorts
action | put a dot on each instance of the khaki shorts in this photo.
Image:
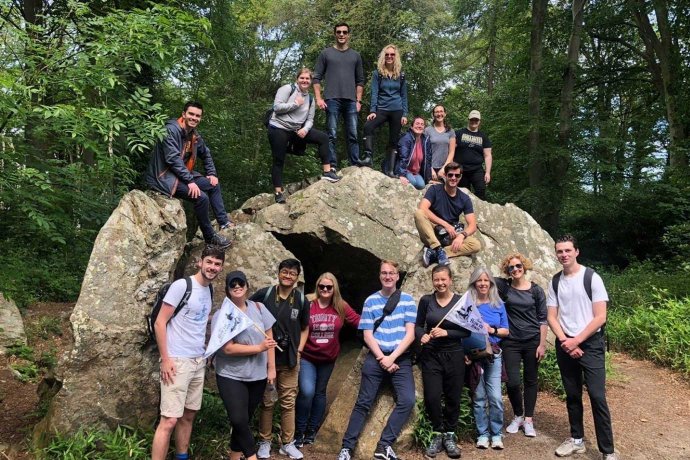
(187, 390)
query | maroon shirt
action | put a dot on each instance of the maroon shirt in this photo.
(323, 344)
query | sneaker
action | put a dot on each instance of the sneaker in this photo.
(435, 446)
(529, 429)
(384, 453)
(482, 442)
(299, 440)
(570, 447)
(264, 450)
(345, 454)
(330, 176)
(220, 241)
(442, 257)
(291, 451)
(309, 437)
(497, 442)
(450, 445)
(428, 256)
(613, 456)
(280, 198)
(515, 425)
(366, 161)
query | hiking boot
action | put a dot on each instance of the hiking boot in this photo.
(497, 442)
(299, 439)
(366, 161)
(280, 198)
(435, 446)
(309, 437)
(384, 453)
(442, 257)
(291, 451)
(227, 225)
(264, 450)
(330, 176)
(345, 454)
(515, 425)
(530, 432)
(450, 445)
(613, 456)
(570, 447)
(220, 241)
(482, 442)
(428, 256)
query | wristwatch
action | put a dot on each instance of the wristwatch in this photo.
(495, 331)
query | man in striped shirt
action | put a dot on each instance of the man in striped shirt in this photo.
(387, 357)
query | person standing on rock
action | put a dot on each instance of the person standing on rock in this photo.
(577, 314)
(341, 67)
(473, 152)
(388, 321)
(291, 311)
(439, 214)
(180, 342)
(171, 172)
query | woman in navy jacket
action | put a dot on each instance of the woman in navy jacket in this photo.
(413, 165)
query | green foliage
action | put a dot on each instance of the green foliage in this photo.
(423, 433)
(21, 351)
(47, 360)
(122, 443)
(210, 437)
(45, 328)
(27, 371)
(549, 378)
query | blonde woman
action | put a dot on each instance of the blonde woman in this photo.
(328, 314)
(388, 104)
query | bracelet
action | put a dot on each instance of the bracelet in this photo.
(464, 233)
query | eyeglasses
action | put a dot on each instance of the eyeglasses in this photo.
(325, 287)
(237, 283)
(342, 32)
(514, 267)
(452, 175)
(390, 54)
(389, 273)
(290, 273)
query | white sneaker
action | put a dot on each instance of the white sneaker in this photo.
(264, 450)
(570, 447)
(496, 442)
(530, 432)
(291, 451)
(482, 442)
(515, 425)
(613, 456)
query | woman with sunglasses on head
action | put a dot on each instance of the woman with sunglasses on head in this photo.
(442, 140)
(388, 104)
(488, 402)
(441, 361)
(244, 365)
(526, 345)
(328, 314)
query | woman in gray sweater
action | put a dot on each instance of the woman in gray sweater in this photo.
(290, 129)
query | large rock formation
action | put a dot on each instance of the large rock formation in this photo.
(11, 324)
(111, 377)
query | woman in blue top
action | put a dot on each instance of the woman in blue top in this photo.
(388, 104)
(413, 165)
(485, 295)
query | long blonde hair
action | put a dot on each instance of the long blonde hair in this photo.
(397, 64)
(337, 299)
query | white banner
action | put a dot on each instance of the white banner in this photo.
(227, 322)
(466, 315)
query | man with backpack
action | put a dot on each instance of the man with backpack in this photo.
(180, 336)
(388, 321)
(577, 314)
(290, 308)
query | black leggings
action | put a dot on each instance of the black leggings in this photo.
(241, 400)
(394, 126)
(514, 354)
(279, 138)
(443, 374)
(476, 180)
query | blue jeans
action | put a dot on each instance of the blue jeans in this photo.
(348, 109)
(372, 376)
(209, 195)
(416, 180)
(489, 392)
(311, 401)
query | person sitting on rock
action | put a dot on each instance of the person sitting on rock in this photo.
(438, 215)
(413, 164)
(171, 172)
(388, 321)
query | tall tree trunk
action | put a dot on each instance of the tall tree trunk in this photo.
(491, 59)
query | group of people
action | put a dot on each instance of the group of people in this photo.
(286, 354)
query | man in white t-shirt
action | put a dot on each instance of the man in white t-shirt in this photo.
(181, 343)
(576, 315)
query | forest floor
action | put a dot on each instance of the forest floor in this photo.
(650, 406)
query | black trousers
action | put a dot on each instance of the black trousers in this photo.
(394, 126)
(476, 180)
(279, 139)
(591, 366)
(443, 374)
(515, 354)
(241, 400)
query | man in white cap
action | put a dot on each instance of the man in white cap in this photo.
(472, 152)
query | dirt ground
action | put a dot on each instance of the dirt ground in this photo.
(650, 407)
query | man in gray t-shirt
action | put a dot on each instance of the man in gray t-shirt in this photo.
(341, 67)
(180, 340)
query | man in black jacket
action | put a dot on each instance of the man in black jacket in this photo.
(171, 172)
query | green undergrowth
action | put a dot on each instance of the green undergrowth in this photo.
(423, 433)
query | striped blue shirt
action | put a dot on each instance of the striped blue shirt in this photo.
(392, 329)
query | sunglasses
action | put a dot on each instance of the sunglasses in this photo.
(452, 175)
(237, 283)
(390, 54)
(342, 32)
(325, 287)
(514, 267)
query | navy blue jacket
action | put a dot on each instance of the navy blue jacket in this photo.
(405, 147)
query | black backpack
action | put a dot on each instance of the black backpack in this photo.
(158, 303)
